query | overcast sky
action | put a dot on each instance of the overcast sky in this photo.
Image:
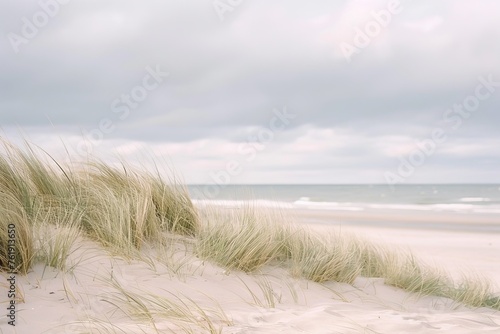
(278, 91)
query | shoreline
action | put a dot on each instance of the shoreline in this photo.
(400, 219)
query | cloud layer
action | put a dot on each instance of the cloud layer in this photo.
(355, 119)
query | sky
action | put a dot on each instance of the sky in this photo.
(259, 92)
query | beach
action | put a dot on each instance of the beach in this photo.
(247, 167)
(98, 295)
(458, 242)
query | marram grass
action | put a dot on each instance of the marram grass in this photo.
(52, 205)
(322, 258)
(119, 207)
(235, 238)
(248, 239)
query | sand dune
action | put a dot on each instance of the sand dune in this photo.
(180, 293)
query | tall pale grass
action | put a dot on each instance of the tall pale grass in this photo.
(248, 239)
(55, 244)
(241, 238)
(124, 207)
(325, 257)
(184, 312)
(119, 207)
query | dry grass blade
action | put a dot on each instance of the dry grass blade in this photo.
(183, 311)
(120, 208)
(243, 239)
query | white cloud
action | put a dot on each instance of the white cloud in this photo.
(353, 120)
(425, 25)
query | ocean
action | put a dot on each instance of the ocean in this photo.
(465, 198)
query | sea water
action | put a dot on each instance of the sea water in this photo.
(465, 198)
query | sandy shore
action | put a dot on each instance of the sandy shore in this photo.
(97, 295)
(404, 219)
(458, 242)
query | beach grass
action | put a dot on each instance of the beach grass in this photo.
(182, 311)
(50, 206)
(321, 258)
(121, 208)
(234, 238)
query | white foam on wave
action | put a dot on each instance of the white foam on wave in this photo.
(495, 210)
(307, 204)
(303, 203)
(475, 199)
(241, 204)
(454, 207)
(400, 207)
(440, 207)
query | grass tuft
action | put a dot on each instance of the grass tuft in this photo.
(119, 207)
(323, 258)
(243, 239)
